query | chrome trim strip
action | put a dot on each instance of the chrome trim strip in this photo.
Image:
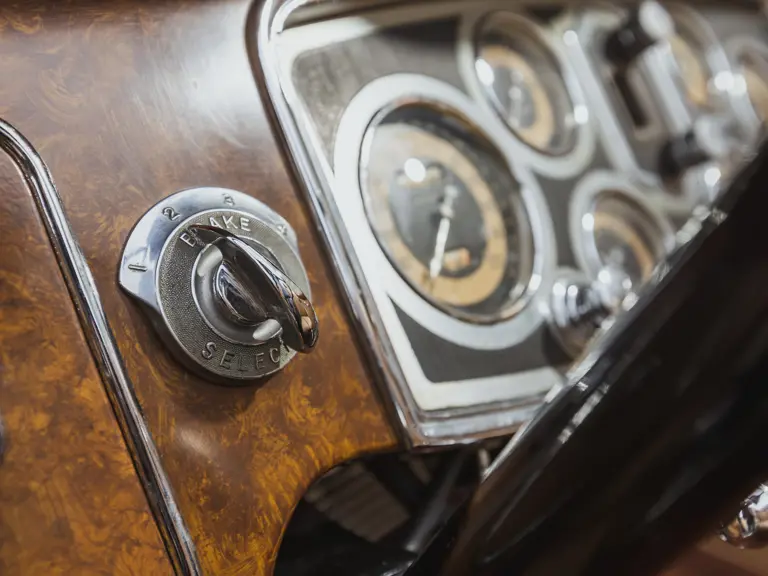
(266, 23)
(82, 288)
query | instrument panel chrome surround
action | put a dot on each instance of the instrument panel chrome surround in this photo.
(454, 412)
(561, 165)
(271, 58)
(386, 286)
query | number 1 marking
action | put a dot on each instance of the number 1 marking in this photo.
(138, 265)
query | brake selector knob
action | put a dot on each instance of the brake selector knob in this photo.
(648, 23)
(220, 275)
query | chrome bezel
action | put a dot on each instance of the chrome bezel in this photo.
(567, 163)
(532, 282)
(398, 90)
(582, 203)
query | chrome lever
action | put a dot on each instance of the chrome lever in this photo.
(264, 296)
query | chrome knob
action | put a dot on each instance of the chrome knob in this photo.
(647, 24)
(702, 183)
(681, 153)
(220, 275)
(578, 308)
(749, 528)
(712, 140)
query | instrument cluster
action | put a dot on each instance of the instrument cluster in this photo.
(495, 180)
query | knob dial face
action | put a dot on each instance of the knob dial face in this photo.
(225, 335)
(448, 213)
(523, 81)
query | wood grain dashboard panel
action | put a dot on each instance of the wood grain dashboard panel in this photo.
(70, 501)
(128, 102)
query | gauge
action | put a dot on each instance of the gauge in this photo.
(754, 69)
(694, 75)
(523, 80)
(447, 212)
(625, 240)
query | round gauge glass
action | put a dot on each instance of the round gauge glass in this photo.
(626, 241)
(523, 80)
(695, 78)
(754, 69)
(447, 212)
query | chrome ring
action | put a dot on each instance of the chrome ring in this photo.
(587, 190)
(353, 128)
(562, 165)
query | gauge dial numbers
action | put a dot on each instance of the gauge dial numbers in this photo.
(522, 79)
(446, 214)
(625, 240)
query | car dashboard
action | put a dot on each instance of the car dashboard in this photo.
(280, 279)
(495, 180)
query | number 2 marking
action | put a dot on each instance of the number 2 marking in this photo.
(171, 214)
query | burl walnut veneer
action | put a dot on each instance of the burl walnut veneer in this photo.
(127, 102)
(70, 500)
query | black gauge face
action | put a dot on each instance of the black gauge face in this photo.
(754, 69)
(447, 212)
(694, 78)
(523, 81)
(625, 240)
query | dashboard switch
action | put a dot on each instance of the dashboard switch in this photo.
(647, 24)
(712, 138)
(578, 308)
(681, 153)
(220, 276)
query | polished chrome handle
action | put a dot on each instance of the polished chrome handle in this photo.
(252, 291)
(749, 528)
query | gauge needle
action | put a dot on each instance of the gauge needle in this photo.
(447, 214)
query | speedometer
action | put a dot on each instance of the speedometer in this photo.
(447, 212)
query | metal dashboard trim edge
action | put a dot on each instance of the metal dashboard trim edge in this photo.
(262, 23)
(82, 288)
